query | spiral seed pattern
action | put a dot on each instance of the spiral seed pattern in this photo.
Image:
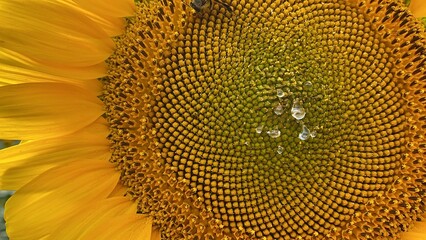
(276, 120)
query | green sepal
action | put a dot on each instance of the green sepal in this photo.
(423, 20)
(407, 2)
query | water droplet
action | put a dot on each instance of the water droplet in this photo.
(279, 109)
(308, 84)
(259, 129)
(297, 110)
(280, 149)
(274, 133)
(313, 134)
(280, 93)
(304, 135)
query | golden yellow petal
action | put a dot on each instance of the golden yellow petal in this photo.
(129, 227)
(21, 163)
(43, 110)
(12, 58)
(418, 232)
(10, 74)
(42, 30)
(68, 52)
(121, 8)
(418, 8)
(41, 205)
(111, 25)
(44, 15)
(156, 234)
(118, 191)
(93, 214)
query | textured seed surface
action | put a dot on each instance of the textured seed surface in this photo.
(276, 120)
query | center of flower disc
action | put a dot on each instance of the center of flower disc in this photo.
(276, 120)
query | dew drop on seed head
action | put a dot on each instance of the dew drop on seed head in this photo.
(280, 149)
(259, 129)
(274, 133)
(308, 84)
(297, 110)
(279, 109)
(304, 135)
(280, 93)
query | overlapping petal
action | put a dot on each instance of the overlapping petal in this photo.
(111, 8)
(117, 213)
(89, 215)
(21, 163)
(12, 74)
(46, 202)
(10, 59)
(418, 8)
(417, 232)
(51, 54)
(44, 110)
(41, 30)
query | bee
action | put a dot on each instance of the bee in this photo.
(199, 5)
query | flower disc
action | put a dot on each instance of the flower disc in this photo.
(276, 120)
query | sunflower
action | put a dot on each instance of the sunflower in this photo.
(242, 119)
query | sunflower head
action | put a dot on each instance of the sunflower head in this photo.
(230, 119)
(288, 120)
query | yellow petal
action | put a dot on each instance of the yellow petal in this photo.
(21, 163)
(111, 25)
(156, 234)
(418, 232)
(119, 190)
(13, 58)
(129, 227)
(16, 75)
(108, 14)
(115, 8)
(43, 110)
(55, 195)
(39, 14)
(92, 215)
(53, 32)
(418, 8)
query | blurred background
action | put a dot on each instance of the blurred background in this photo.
(4, 194)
